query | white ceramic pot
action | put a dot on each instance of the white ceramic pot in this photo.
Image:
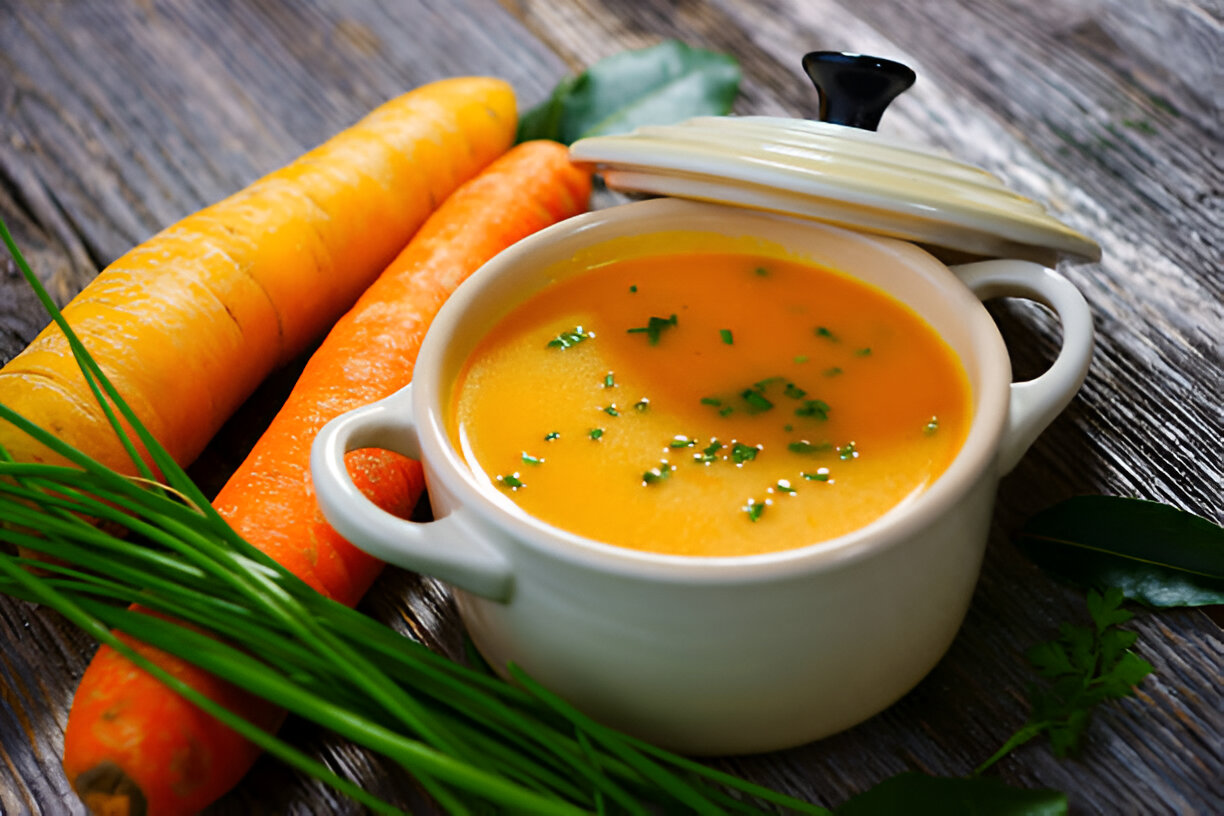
(713, 655)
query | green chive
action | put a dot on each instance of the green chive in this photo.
(568, 339)
(715, 401)
(611, 410)
(821, 331)
(512, 481)
(641, 405)
(681, 441)
(756, 401)
(741, 453)
(804, 446)
(595, 433)
(551, 435)
(794, 392)
(633, 289)
(801, 358)
(608, 380)
(864, 352)
(754, 509)
(654, 328)
(832, 372)
(657, 474)
(784, 486)
(761, 272)
(814, 409)
(726, 336)
(821, 475)
(528, 459)
(847, 452)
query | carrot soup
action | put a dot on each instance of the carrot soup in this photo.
(710, 404)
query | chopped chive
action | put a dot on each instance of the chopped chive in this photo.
(863, 352)
(761, 385)
(726, 411)
(761, 272)
(654, 328)
(832, 372)
(816, 409)
(804, 446)
(611, 410)
(681, 441)
(709, 453)
(794, 392)
(512, 481)
(551, 435)
(641, 405)
(711, 401)
(633, 289)
(657, 474)
(754, 509)
(528, 459)
(821, 331)
(595, 433)
(847, 451)
(608, 380)
(756, 401)
(725, 334)
(801, 358)
(821, 475)
(931, 427)
(784, 486)
(568, 339)
(741, 453)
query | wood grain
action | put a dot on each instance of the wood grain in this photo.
(119, 118)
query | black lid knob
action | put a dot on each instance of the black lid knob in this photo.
(854, 88)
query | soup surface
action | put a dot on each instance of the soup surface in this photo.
(710, 404)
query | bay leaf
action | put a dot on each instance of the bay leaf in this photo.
(1156, 554)
(662, 84)
(915, 794)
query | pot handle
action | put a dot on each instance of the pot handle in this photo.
(1034, 404)
(448, 548)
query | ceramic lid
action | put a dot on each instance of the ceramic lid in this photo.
(837, 173)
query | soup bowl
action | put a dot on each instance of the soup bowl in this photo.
(712, 655)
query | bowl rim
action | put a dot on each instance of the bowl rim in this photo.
(974, 461)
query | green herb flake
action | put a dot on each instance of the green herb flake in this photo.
(611, 410)
(794, 392)
(715, 401)
(741, 453)
(755, 400)
(832, 372)
(551, 435)
(609, 380)
(821, 475)
(931, 427)
(804, 446)
(657, 474)
(511, 482)
(641, 405)
(784, 486)
(681, 441)
(863, 352)
(709, 453)
(726, 411)
(595, 433)
(571, 338)
(761, 272)
(725, 334)
(847, 452)
(814, 409)
(528, 459)
(754, 509)
(824, 332)
(801, 358)
(633, 290)
(654, 328)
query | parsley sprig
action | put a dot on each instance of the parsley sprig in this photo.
(1083, 667)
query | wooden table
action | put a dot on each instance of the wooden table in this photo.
(119, 118)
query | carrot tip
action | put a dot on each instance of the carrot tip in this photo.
(107, 791)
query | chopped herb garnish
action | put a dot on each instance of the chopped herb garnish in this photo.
(931, 427)
(633, 289)
(832, 372)
(726, 411)
(641, 405)
(754, 509)
(567, 339)
(609, 380)
(784, 486)
(816, 409)
(761, 385)
(725, 334)
(551, 435)
(611, 410)
(711, 401)
(864, 352)
(821, 475)
(512, 481)
(657, 474)
(794, 392)
(788, 428)
(528, 459)
(654, 328)
(709, 453)
(741, 453)
(821, 331)
(761, 272)
(847, 451)
(681, 441)
(804, 446)
(756, 400)
(801, 358)
(595, 433)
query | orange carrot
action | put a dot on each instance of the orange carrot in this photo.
(189, 322)
(151, 746)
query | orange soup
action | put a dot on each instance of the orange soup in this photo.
(710, 404)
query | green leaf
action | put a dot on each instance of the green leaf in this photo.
(1156, 554)
(663, 84)
(915, 794)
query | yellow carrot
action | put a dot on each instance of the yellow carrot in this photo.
(189, 322)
